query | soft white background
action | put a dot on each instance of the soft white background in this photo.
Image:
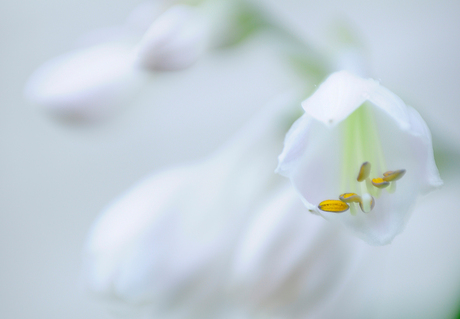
(56, 178)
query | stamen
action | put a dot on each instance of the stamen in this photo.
(367, 203)
(364, 171)
(392, 188)
(353, 209)
(391, 176)
(371, 189)
(350, 198)
(380, 182)
(333, 206)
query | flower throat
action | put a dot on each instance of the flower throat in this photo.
(362, 158)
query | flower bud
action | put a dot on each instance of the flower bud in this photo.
(175, 40)
(85, 84)
(292, 264)
(168, 241)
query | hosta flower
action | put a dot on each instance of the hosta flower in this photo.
(360, 157)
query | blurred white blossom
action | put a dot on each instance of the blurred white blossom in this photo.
(354, 141)
(86, 83)
(292, 264)
(174, 41)
(168, 242)
(109, 67)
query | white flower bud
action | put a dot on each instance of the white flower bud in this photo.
(167, 243)
(292, 264)
(85, 83)
(175, 40)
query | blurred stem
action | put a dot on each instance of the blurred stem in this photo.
(301, 56)
(250, 19)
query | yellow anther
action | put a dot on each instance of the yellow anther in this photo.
(333, 206)
(380, 182)
(364, 171)
(391, 176)
(350, 198)
(367, 203)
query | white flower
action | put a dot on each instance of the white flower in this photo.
(167, 243)
(354, 126)
(175, 40)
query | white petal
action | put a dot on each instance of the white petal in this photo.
(419, 129)
(338, 96)
(175, 40)
(391, 104)
(314, 167)
(88, 83)
(342, 93)
(294, 145)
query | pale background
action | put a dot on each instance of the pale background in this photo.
(56, 178)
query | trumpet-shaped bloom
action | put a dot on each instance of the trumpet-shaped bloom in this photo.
(359, 157)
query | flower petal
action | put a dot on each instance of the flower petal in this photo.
(338, 96)
(419, 129)
(311, 159)
(342, 93)
(294, 144)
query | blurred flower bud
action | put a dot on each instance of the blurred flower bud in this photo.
(169, 241)
(175, 40)
(92, 81)
(291, 264)
(85, 83)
